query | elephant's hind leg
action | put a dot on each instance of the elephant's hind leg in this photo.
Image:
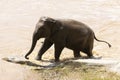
(77, 53)
(89, 53)
(89, 47)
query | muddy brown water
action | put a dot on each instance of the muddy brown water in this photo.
(18, 19)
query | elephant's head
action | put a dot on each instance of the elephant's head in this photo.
(45, 28)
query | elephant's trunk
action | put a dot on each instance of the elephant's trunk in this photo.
(34, 41)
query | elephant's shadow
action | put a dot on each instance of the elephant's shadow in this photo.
(40, 64)
(48, 64)
(30, 63)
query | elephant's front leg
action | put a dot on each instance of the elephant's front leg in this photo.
(58, 50)
(46, 45)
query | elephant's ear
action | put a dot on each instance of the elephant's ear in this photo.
(57, 26)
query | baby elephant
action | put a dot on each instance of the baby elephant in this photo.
(63, 33)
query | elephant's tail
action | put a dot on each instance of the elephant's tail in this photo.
(102, 41)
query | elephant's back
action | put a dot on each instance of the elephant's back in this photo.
(74, 24)
(74, 27)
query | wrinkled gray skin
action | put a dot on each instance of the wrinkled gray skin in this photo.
(63, 33)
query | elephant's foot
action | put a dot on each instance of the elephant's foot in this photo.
(95, 57)
(77, 56)
(57, 60)
(38, 58)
